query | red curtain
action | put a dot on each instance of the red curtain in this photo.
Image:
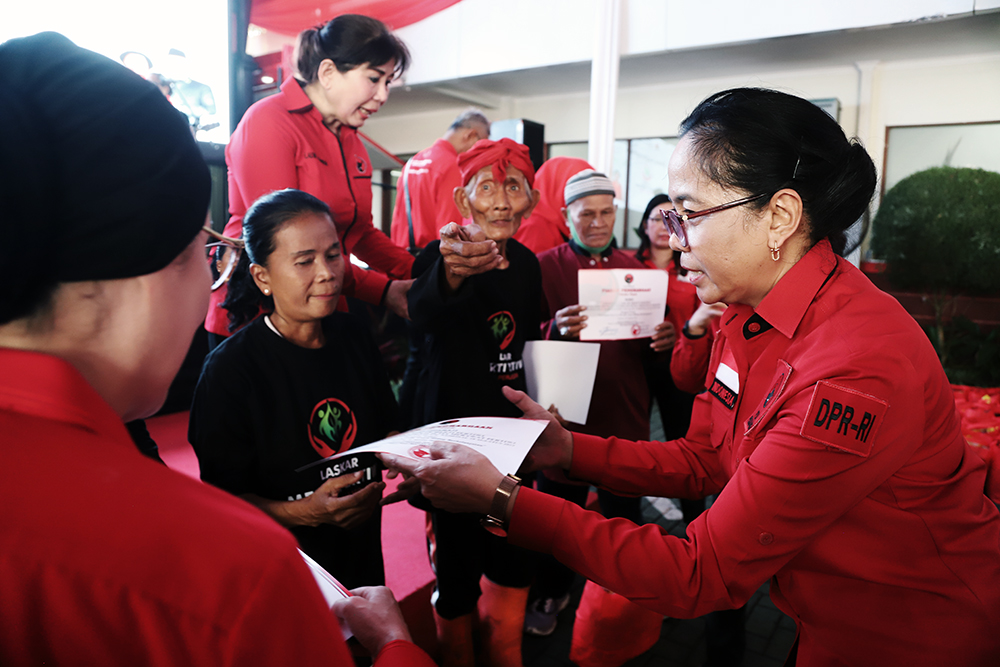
(290, 17)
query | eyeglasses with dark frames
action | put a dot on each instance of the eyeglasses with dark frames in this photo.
(230, 250)
(676, 223)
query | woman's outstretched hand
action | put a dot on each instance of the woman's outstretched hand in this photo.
(454, 477)
(457, 478)
(554, 447)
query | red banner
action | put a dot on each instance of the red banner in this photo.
(290, 17)
(979, 409)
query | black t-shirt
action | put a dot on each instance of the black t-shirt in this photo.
(475, 337)
(265, 407)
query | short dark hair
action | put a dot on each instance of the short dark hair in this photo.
(760, 141)
(349, 41)
(262, 222)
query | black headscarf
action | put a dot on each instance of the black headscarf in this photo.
(100, 177)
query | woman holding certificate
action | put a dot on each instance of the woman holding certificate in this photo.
(829, 421)
(295, 386)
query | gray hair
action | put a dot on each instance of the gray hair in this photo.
(470, 118)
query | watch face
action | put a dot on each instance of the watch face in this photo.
(493, 526)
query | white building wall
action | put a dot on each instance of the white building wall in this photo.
(906, 92)
(470, 38)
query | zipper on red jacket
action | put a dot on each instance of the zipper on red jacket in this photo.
(347, 175)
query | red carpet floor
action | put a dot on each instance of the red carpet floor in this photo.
(407, 571)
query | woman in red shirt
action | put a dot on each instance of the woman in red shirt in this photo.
(828, 420)
(306, 138)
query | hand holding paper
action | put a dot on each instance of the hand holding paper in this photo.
(462, 479)
(326, 505)
(562, 373)
(452, 477)
(554, 447)
(504, 441)
(570, 321)
(372, 615)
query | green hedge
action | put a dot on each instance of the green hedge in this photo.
(939, 231)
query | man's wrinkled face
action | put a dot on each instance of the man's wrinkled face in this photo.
(594, 219)
(498, 207)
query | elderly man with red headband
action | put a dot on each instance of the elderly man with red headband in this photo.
(478, 299)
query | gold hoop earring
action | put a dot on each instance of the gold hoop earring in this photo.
(775, 253)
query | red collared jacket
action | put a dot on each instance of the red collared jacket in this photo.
(832, 427)
(281, 142)
(109, 558)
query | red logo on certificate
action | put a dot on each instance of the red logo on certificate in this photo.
(843, 418)
(420, 452)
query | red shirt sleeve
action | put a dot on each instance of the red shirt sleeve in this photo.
(378, 251)
(402, 654)
(369, 286)
(689, 361)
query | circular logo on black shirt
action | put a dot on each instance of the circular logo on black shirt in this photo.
(502, 326)
(332, 427)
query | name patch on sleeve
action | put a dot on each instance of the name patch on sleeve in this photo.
(726, 384)
(843, 418)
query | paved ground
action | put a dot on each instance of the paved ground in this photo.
(769, 633)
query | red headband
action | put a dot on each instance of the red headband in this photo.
(497, 154)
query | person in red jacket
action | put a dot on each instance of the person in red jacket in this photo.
(107, 557)
(425, 192)
(828, 420)
(306, 138)
(546, 227)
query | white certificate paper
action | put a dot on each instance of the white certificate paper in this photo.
(331, 589)
(622, 303)
(503, 440)
(561, 373)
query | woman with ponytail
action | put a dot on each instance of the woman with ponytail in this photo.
(295, 386)
(306, 137)
(827, 419)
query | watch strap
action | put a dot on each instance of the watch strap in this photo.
(687, 332)
(498, 509)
